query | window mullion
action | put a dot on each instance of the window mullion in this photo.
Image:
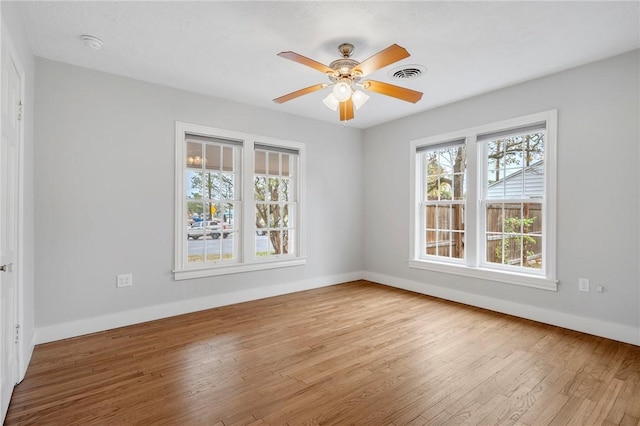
(247, 247)
(473, 220)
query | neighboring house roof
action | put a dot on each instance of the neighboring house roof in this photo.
(513, 186)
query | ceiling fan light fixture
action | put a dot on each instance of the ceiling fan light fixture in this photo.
(342, 91)
(331, 102)
(345, 75)
(359, 98)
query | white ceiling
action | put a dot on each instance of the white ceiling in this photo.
(228, 49)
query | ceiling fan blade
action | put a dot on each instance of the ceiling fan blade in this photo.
(346, 110)
(293, 56)
(300, 92)
(385, 57)
(392, 90)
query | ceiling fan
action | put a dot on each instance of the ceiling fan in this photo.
(345, 75)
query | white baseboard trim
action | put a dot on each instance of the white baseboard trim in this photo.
(620, 332)
(25, 353)
(150, 313)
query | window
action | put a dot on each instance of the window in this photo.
(484, 202)
(443, 199)
(238, 202)
(275, 196)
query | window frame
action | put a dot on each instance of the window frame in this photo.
(438, 203)
(473, 265)
(246, 261)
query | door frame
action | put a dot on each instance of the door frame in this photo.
(9, 47)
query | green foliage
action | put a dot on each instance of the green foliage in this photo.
(516, 226)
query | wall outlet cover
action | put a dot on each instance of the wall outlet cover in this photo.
(583, 284)
(124, 280)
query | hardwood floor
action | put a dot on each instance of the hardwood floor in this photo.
(356, 353)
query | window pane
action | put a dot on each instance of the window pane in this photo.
(274, 216)
(433, 183)
(444, 217)
(284, 189)
(274, 164)
(494, 217)
(430, 216)
(260, 188)
(459, 187)
(534, 180)
(210, 180)
(194, 155)
(261, 216)
(515, 167)
(512, 218)
(262, 244)
(430, 242)
(514, 234)
(285, 241)
(444, 173)
(212, 186)
(275, 242)
(260, 162)
(457, 245)
(212, 157)
(228, 162)
(457, 217)
(532, 214)
(274, 186)
(275, 196)
(227, 186)
(446, 187)
(285, 215)
(194, 185)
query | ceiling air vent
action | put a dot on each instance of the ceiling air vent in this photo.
(407, 72)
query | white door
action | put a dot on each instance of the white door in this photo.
(11, 110)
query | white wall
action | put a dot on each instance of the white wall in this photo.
(598, 197)
(13, 29)
(104, 179)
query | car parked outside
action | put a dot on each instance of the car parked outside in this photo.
(211, 228)
(202, 229)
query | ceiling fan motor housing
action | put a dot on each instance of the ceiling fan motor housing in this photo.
(344, 65)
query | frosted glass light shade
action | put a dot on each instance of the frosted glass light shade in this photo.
(341, 91)
(359, 98)
(331, 102)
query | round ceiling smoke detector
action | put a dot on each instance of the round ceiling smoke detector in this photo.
(92, 42)
(407, 72)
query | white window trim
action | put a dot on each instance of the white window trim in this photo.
(471, 266)
(247, 261)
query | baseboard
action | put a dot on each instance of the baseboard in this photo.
(150, 313)
(620, 332)
(25, 354)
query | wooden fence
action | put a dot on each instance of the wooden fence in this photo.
(518, 250)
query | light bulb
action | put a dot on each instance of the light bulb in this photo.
(197, 160)
(331, 102)
(342, 91)
(359, 98)
(190, 160)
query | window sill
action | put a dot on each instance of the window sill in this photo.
(210, 271)
(487, 274)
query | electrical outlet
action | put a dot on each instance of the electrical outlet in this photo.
(583, 284)
(124, 280)
(599, 289)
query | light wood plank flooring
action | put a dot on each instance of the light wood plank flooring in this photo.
(357, 353)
